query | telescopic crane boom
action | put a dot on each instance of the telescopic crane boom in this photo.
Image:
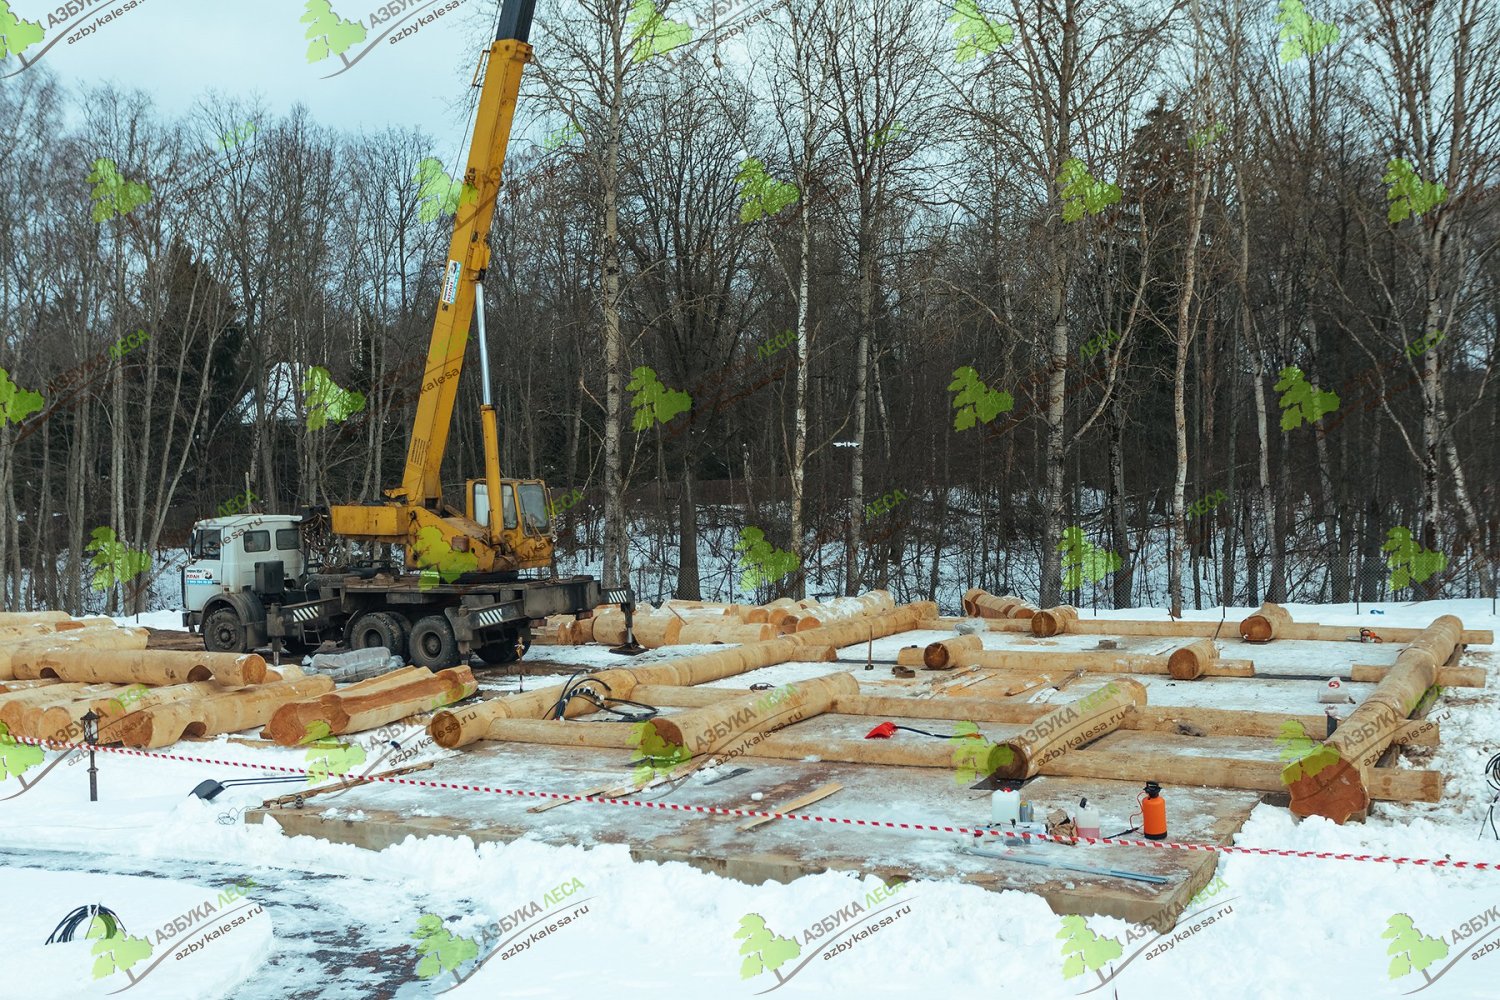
(415, 515)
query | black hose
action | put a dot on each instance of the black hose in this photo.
(68, 926)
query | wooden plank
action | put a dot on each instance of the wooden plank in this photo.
(801, 801)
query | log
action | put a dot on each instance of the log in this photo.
(1054, 621)
(982, 604)
(32, 617)
(1475, 677)
(1265, 623)
(17, 709)
(370, 711)
(1221, 772)
(1095, 661)
(582, 631)
(949, 653)
(653, 629)
(115, 709)
(756, 615)
(164, 725)
(453, 729)
(1220, 630)
(744, 720)
(18, 652)
(702, 633)
(1146, 718)
(1070, 727)
(1334, 780)
(139, 666)
(285, 672)
(1189, 662)
(294, 723)
(992, 624)
(911, 656)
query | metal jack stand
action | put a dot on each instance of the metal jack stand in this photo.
(625, 598)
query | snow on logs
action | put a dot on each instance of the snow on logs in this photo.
(1333, 780)
(1068, 727)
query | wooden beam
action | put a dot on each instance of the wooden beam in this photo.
(800, 802)
(1474, 677)
(1333, 781)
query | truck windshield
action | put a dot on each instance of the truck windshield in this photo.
(204, 544)
(534, 507)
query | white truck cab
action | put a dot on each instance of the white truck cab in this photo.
(223, 552)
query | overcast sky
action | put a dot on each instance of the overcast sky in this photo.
(178, 50)
(404, 73)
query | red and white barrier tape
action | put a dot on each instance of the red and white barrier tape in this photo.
(1266, 852)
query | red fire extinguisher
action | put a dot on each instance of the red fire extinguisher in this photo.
(1153, 812)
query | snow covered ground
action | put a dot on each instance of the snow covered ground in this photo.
(530, 920)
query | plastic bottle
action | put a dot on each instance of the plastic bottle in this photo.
(1087, 819)
(1005, 806)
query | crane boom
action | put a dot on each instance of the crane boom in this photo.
(415, 510)
(468, 255)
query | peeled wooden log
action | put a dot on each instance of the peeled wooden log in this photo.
(28, 617)
(370, 711)
(164, 725)
(1069, 727)
(285, 672)
(903, 619)
(1474, 677)
(20, 711)
(113, 710)
(1387, 784)
(911, 656)
(16, 654)
(705, 633)
(1145, 718)
(138, 666)
(949, 653)
(1190, 661)
(1265, 623)
(653, 629)
(1095, 661)
(291, 723)
(755, 615)
(982, 604)
(1053, 621)
(739, 721)
(1333, 780)
(456, 728)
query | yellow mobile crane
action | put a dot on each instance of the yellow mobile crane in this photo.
(471, 593)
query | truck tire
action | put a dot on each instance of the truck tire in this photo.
(223, 632)
(433, 644)
(378, 628)
(504, 651)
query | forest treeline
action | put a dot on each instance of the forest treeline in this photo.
(1101, 289)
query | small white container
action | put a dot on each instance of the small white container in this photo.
(1087, 820)
(1005, 806)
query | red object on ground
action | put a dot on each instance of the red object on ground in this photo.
(884, 731)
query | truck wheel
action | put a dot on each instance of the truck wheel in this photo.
(403, 635)
(223, 632)
(504, 651)
(378, 628)
(433, 644)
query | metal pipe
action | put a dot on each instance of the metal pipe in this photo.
(484, 347)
